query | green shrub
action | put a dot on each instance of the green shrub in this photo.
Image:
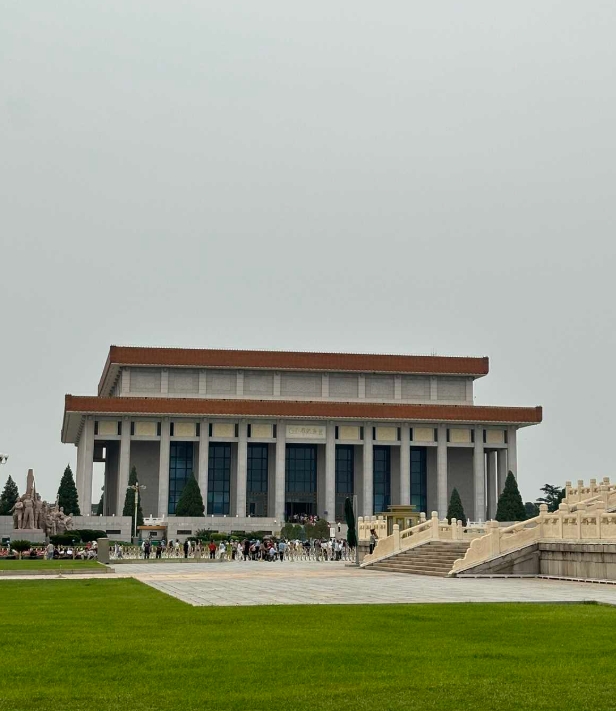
(66, 539)
(88, 534)
(20, 546)
(456, 510)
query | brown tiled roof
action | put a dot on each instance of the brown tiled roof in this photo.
(293, 360)
(310, 409)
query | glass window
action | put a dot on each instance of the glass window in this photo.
(381, 479)
(301, 468)
(219, 479)
(345, 465)
(419, 497)
(180, 468)
(344, 469)
(257, 468)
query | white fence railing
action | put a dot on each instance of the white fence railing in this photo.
(432, 529)
(592, 523)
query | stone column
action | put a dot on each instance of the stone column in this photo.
(281, 460)
(368, 476)
(512, 450)
(163, 469)
(204, 458)
(85, 465)
(124, 465)
(405, 465)
(479, 476)
(330, 472)
(85, 504)
(242, 469)
(441, 472)
(491, 483)
(501, 466)
(81, 450)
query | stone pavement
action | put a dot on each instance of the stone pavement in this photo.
(312, 583)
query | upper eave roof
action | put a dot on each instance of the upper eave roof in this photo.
(287, 360)
(80, 405)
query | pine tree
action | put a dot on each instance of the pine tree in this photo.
(9, 496)
(531, 509)
(350, 522)
(67, 493)
(554, 496)
(129, 501)
(100, 510)
(455, 508)
(191, 501)
(510, 506)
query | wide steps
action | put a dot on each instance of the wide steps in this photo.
(433, 558)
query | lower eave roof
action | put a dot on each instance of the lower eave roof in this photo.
(201, 407)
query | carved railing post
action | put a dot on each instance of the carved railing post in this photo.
(396, 537)
(567, 491)
(435, 524)
(599, 511)
(579, 514)
(543, 512)
(493, 530)
(563, 510)
(454, 529)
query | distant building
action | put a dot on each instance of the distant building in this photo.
(272, 434)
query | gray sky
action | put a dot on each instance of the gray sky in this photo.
(382, 177)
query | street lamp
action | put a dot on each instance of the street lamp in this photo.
(137, 487)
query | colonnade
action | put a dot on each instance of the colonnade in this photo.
(490, 467)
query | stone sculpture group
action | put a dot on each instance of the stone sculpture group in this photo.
(31, 512)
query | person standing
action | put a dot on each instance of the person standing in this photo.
(282, 547)
(373, 539)
(186, 548)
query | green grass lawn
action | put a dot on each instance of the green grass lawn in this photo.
(102, 645)
(27, 564)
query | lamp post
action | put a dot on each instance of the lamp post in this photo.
(136, 487)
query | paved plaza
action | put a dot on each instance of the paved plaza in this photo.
(330, 583)
(313, 583)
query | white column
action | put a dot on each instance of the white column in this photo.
(204, 459)
(512, 450)
(368, 470)
(491, 483)
(479, 476)
(81, 450)
(330, 472)
(163, 469)
(281, 458)
(242, 469)
(501, 466)
(405, 465)
(441, 472)
(124, 465)
(85, 504)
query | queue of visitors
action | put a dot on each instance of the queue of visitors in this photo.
(269, 549)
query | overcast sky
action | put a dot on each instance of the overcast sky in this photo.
(395, 177)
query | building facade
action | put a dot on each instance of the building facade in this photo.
(272, 434)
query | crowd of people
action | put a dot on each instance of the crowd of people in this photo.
(88, 551)
(302, 518)
(269, 549)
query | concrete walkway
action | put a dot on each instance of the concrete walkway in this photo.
(312, 583)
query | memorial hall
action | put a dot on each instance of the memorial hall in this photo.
(272, 434)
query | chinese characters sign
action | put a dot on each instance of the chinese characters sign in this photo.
(306, 431)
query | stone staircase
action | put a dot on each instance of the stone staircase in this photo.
(432, 558)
